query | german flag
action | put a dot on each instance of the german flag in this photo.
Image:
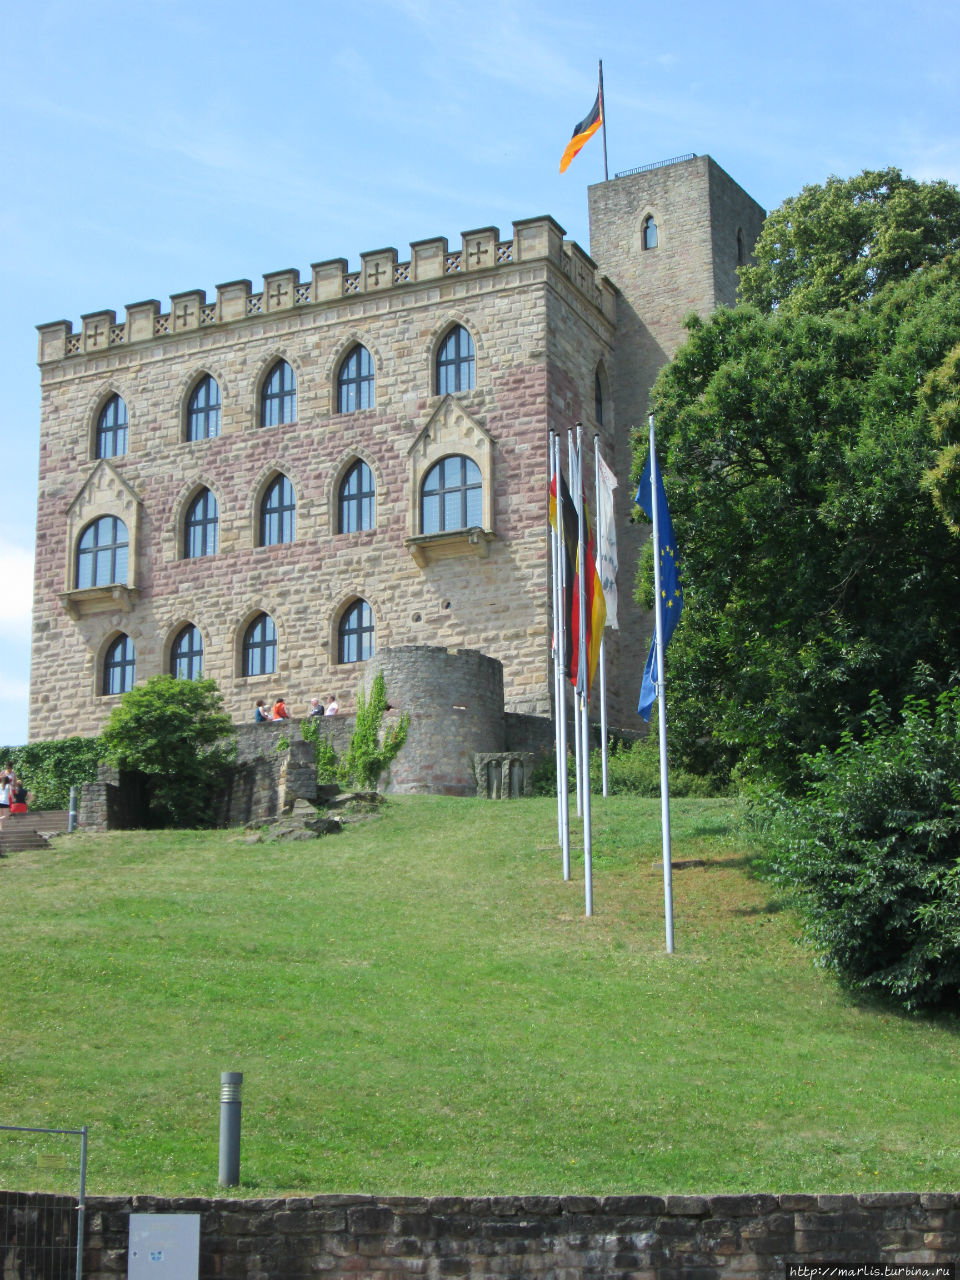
(583, 132)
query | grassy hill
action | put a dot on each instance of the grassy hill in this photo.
(418, 1005)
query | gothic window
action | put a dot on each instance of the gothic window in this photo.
(357, 496)
(355, 381)
(355, 643)
(741, 254)
(112, 429)
(203, 413)
(278, 513)
(452, 496)
(260, 647)
(119, 666)
(598, 399)
(186, 656)
(201, 526)
(456, 362)
(102, 553)
(649, 232)
(278, 401)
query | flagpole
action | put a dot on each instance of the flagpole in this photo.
(555, 605)
(573, 468)
(661, 702)
(603, 638)
(563, 796)
(603, 118)
(583, 682)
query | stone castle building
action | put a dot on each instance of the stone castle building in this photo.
(266, 486)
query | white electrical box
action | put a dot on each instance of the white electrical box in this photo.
(164, 1246)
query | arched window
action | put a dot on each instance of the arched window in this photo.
(186, 656)
(355, 381)
(278, 402)
(260, 647)
(357, 496)
(278, 513)
(598, 399)
(102, 553)
(201, 526)
(456, 362)
(119, 666)
(203, 413)
(451, 497)
(112, 429)
(355, 643)
(649, 232)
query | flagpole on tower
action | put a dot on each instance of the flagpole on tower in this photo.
(603, 118)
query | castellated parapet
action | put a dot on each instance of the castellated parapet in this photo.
(268, 486)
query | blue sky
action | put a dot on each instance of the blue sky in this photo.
(148, 149)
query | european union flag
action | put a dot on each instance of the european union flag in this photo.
(671, 592)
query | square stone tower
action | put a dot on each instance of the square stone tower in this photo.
(670, 237)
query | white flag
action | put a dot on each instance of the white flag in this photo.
(607, 541)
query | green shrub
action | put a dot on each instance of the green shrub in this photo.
(367, 756)
(871, 852)
(327, 759)
(50, 769)
(175, 732)
(633, 768)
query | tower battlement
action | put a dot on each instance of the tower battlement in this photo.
(380, 270)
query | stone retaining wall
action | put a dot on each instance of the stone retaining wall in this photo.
(720, 1237)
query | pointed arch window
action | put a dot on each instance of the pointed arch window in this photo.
(203, 412)
(119, 666)
(278, 513)
(456, 362)
(355, 381)
(102, 553)
(201, 527)
(112, 429)
(278, 400)
(650, 238)
(186, 656)
(741, 251)
(598, 399)
(355, 640)
(357, 497)
(452, 496)
(260, 647)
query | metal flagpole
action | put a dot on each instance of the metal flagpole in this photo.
(555, 602)
(603, 120)
(661, 701)
(583, 677)
(562, 588)
(603, 638)
(573, 470)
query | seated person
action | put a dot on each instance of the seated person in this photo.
(280, 711)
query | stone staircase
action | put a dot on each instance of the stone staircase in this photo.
(24, 831)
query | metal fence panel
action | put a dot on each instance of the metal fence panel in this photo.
(43, 1176)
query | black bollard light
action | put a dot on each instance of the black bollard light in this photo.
(230, 1085)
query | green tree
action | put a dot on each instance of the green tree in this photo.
(841, 243)
(174, 731)
(816, 566)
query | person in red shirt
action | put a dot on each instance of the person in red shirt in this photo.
(280, 711)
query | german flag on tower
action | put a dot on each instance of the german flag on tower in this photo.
(584, 131)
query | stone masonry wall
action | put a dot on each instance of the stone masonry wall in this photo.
(491, 593)
(719, 1237)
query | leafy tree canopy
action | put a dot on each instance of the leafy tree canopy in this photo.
(816, 566)
(840, 243)
(176, 732)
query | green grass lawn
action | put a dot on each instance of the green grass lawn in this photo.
(419, 1006)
